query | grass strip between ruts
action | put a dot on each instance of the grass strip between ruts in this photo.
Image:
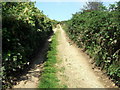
(49, 78)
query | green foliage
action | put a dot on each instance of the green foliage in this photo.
(95, 5)
(54, 23)
(98, 32)
(25, 29)
(49, 78)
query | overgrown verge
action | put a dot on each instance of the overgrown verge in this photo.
(98, 32)
(49, 78)
(25, 29)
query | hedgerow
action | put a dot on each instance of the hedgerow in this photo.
(98, 32)
(25, 29)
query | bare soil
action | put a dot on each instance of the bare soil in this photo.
(76, 68)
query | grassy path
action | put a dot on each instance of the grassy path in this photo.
(49, 78)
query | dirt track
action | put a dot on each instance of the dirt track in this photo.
(78, 72)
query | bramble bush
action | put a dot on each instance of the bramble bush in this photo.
(98, 32)
(25, 29)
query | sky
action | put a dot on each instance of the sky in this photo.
(61, 11)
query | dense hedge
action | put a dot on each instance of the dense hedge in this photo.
(25, 30)
(98, 32)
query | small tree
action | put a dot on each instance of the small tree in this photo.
(118, 6)
(112, 7)
(93, 6)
